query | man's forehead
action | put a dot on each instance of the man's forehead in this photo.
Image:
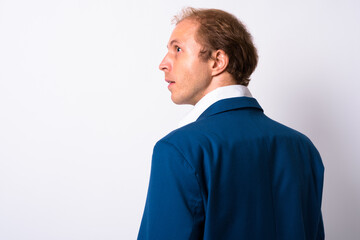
(183, 31)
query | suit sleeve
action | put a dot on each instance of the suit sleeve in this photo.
(173, 208)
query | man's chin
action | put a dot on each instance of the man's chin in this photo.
(177, 101)
(180, 101)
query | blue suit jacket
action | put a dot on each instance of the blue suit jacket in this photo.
(234, 174)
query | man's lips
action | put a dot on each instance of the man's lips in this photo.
(170, 82)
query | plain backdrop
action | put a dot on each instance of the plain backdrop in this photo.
(82, 104)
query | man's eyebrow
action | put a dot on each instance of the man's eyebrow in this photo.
(172, 42)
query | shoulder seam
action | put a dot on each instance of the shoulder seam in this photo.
(202, 196)
(181, 153)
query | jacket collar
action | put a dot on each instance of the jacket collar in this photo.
(230, 104)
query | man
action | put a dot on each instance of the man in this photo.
(229, 172)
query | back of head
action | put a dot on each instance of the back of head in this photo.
(221, 30)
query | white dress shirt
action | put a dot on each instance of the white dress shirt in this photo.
(220, 93)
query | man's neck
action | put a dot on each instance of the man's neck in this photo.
(222, 80)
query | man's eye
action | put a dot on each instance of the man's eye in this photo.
(178, 49)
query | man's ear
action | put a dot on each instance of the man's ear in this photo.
(219, 63)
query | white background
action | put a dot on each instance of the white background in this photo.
(82, 103)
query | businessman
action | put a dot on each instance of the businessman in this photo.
(229, 171)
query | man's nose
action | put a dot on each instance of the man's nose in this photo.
(165, 64)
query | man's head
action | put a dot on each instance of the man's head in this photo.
(208, 48)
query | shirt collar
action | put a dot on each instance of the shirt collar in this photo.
(220, 93)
